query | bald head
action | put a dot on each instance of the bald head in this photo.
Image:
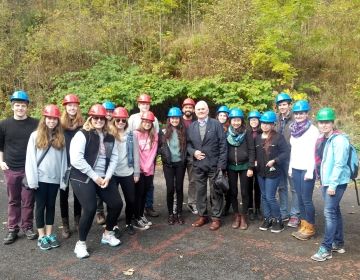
(201, 110)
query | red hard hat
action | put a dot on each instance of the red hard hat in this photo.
(148, 116)
(71, 98)
(120, 112)
(144, 98)
(51, 111)
(97, 110)
(188, 101)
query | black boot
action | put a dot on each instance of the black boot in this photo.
(251, 214)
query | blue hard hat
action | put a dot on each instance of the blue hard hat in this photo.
(20, 95)
(223, 109)
(108, 105)
(174, 112)
(268, 117)
(301, 106)
(282, 96)
(236, 113)
(254, 114)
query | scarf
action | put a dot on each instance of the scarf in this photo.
(235, 138)
(297, 129)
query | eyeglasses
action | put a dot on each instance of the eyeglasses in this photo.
(120, 120)
(98, 118)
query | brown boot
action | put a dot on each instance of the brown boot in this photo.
(307, 233)
(65, 233)
(200, 222)
(237, 221)
(301, 228)
(215, 225)
(76, 222)
(244, 224)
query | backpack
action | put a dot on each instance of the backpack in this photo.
(353, 163)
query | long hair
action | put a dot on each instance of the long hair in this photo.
(88, 126)
(113, 130)
(181, 131)
(44, 135)
(268, 140)
(69, 123)
(152, 132)
(240, 129)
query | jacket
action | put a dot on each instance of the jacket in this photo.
(165, 153)
(286, 122)
(245, 153)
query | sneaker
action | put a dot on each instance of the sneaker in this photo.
(139, 224)
(100, 218)
(146, 221)
(110, 239)
(285, 219)
(293, 222)
(30, 234)
(322, 255)
(277, 226)
(151, 212)
(180, 219)
(10, 237)
(130, 229)
(43, 243)
(192, 208)
(266, 224)
(81, 250)
(338, 249)
(117, 232)
(54, 243)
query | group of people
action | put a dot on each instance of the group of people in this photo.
(269, 154)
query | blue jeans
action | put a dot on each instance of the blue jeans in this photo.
(268, 188)
(304, 190)
(334, 232)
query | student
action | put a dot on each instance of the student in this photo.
(271, 152)
(147, 139)
(173, 154)
(302, 167)
(331, 156)
(94, 156)
(47, 148)
(127, 171)
(71, 121)
(14, 136)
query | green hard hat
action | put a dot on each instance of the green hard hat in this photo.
(325, 114)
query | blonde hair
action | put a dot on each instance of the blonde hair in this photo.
(88, 126)
(114, 131)
(151, 132)
(69, 123)
(44, 135)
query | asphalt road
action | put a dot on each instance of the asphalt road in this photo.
(182, 252)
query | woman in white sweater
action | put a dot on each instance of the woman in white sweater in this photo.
(302, 166)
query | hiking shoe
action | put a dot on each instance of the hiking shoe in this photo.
(81, 250)
(266, 224)
(100, 218)
(277, 226)
(322, 255)
(139, 224)
(10, 237)
(151, 212)
(146, 221)
(54, 243)
(43, 243)
(338, 249)
(293, 222)
(110, 239)
(30, 234)
(192, 208)
(130, 229)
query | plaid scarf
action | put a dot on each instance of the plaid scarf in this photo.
(235, 138)
(299, 128)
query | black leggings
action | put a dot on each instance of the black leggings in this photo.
(254, 192)
(45, 199)
(174, 177)
(244, 182)
(86, 193)
(141, 187)
(64, 204)
(128, 187)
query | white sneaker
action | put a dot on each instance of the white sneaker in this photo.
(110, 239)
(139, 224)
(81, 250)
(146, 221)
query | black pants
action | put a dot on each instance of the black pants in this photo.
(244, 186)
(86, 193)
(174, 178)
(45, 199)
(128, 187)
(64, 204)
(141, 187)
(254, 192)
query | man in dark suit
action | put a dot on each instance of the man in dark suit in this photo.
(207, 144)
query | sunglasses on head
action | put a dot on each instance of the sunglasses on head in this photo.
(98, 118)
(120, 120)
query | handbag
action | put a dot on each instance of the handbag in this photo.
(24, 179)
(221, 182)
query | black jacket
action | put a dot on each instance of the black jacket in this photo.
(213, 145)
(165, 153)
(245, 153)
(278, 150)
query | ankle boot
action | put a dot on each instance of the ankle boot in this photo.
(65, 232)
(300, 230)
(243, 223)
(237, 221)
(76, 222)
(251, 214)
(307, 233)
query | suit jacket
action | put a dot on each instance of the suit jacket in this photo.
(213, 145)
